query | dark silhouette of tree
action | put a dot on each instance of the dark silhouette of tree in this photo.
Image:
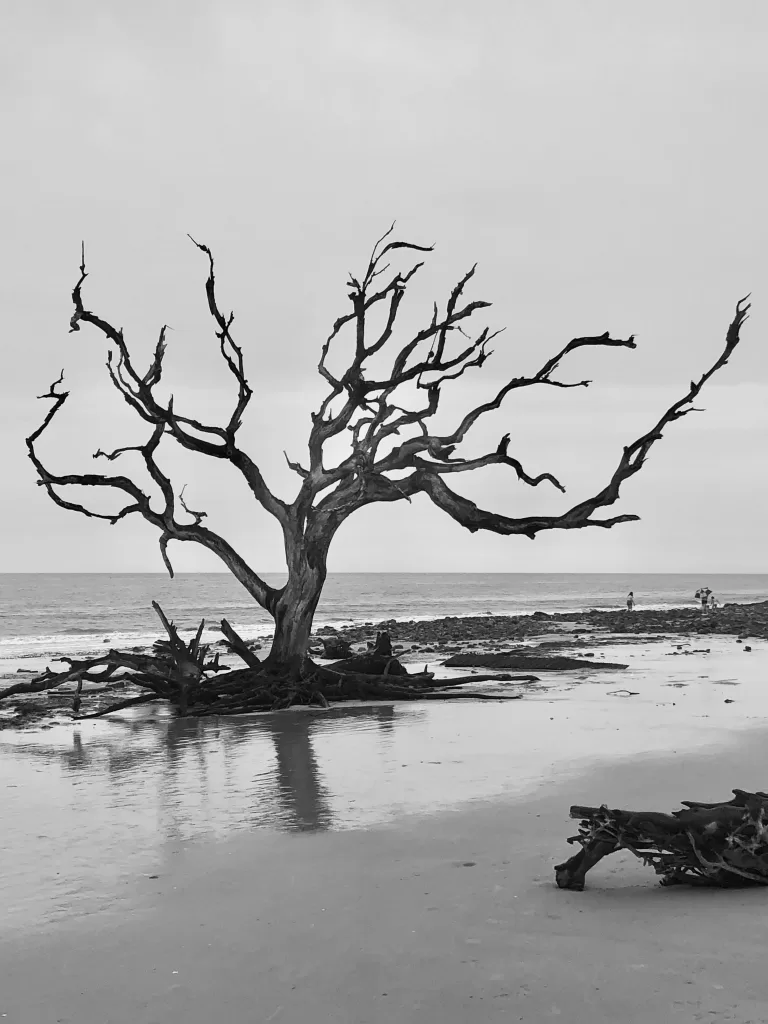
(392, 453)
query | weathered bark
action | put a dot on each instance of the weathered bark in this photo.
(293, 626)
(335, 647)
(535, 662)
(371, 663)
(295, 608)
(239, 646)
(572, 872)
(723, 844)
(383, 644)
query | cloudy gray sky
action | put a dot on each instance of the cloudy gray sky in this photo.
(605, 164)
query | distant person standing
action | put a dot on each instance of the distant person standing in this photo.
(713, 601)
(631, 601)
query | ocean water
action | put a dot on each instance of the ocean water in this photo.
(42, 614)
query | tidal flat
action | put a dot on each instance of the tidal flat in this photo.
(371, 863)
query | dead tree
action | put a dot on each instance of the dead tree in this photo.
(392, 455)
(183, 675)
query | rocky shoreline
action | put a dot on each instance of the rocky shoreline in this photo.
(495, 641)
(746, 621)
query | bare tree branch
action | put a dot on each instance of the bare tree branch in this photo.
(427, 476)
(163, 520)
(542, 377)
(231, 352)
(495, 459)
(468, 515)
(296, 467)
(197, 516)
(137, 390)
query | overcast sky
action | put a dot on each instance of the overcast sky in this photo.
(605, 164)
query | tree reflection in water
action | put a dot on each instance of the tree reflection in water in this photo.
(197, 776)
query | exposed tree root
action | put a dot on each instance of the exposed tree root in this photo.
(183, 676)
(724, 844)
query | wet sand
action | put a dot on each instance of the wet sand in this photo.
(369, 865)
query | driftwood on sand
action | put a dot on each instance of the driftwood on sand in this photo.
(717, 844)
(523, 660)
(185, 676)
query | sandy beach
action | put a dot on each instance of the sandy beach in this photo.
(368, 865)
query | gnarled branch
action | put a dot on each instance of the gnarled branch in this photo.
(427, 476)
(164, 520)
(137, 390)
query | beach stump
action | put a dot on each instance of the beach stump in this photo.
(371, 664)
(383, 644)
(335, 647)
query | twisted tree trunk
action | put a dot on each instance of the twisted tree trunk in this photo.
(294, 609)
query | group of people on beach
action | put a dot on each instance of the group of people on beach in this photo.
(703, 594)
(707, 598)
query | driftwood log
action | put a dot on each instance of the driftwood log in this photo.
(335, 647)
(717, 844)
(338, 647)
(183, 675)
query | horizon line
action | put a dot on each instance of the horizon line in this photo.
(391, 572)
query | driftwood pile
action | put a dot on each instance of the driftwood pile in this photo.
(195, 684)
(716, 844)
